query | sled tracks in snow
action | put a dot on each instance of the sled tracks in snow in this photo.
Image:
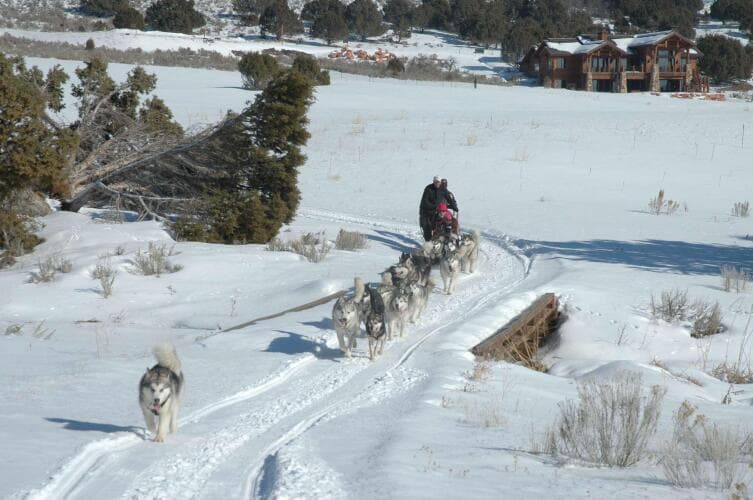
(227, 447)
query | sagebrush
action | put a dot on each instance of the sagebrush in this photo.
(154, 261)
(350, 240)
(313, 246)
(704, 454)
(611, 422)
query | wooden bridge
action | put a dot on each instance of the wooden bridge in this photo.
(520, 339)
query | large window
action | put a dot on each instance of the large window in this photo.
(559, 63)
(600, 64)
(666, 60)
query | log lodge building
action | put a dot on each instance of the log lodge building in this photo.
(657, 62)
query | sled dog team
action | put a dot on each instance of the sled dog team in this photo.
(403, 292)
(384, 309)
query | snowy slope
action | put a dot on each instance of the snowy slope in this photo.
(557, 181)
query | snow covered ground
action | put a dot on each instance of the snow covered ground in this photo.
(557, 181)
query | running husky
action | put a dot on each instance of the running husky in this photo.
(399, 310)
(160, 391)
(376, 327)
(449, 268)
(471, 242)
(346, 314)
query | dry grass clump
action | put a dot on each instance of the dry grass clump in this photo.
(49, 267)
(154, 261)
(734, 278)
(707, 319)
(703, 454)
(611, 422)
(350, 240)
(741, 209)
(733, 373)
(105, 274)
(674, 306)
(314, 247)
(660, 205)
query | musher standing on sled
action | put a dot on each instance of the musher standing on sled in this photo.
(436, 194)
(427, 210)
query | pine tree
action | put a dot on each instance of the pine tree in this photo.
(129, 18)
(280, 19)
(256, 190)
(35, 152)
(330, 26)
(257, 69)
(177, 16)
(398, 12)
(364, 19)
(309, 67)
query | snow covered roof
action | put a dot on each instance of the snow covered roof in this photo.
(627, 44)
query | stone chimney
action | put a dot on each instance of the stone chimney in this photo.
(603, 33)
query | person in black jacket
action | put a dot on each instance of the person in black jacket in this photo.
(427, 210)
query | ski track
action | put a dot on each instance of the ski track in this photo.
(90, 458)
(305, 400)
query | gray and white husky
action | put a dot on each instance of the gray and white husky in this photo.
(346, 314)
(160, 390)
(449, 268)
(419, 298)
(470, 242)
(398, 310)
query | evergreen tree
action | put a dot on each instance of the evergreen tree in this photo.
(250, 10)
(257, 190)
(158, 119)
(364, 19)
(178, 16)
(734, 10)
(399, 12)
(129, 18)
(102, 8)
(279, 18)
(257, 70)
(309, 67)
(315, 8)
(330, 25)
(724, 59)
(35, 152)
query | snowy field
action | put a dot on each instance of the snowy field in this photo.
(558, 182)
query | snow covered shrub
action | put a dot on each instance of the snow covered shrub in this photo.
(671, 306)
(610, 423)
(661, 205)
(741, 209)
(104, 272)
(155, 261)
(350, 240)
(707, 319)
(734, 278)
(314, 247)
(49, 267)
(703, 454)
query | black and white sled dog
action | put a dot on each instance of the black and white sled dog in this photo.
(418, 267)
(434, 249)
(160, 390)
(346, 315)
(470, 242)
(376, 326)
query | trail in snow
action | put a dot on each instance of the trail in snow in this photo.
(215, 445)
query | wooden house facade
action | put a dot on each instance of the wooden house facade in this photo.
(658, 62)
